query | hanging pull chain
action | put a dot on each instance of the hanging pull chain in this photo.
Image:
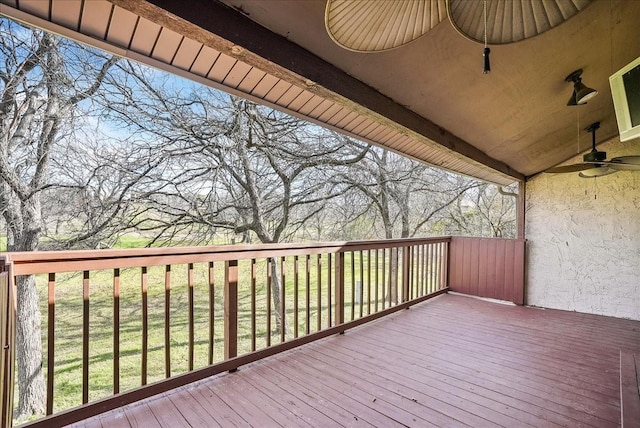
(486, 64)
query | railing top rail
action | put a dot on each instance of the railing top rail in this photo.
(35, 262)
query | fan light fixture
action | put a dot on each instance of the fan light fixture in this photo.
(581, 93)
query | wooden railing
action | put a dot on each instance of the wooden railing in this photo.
(488, 267)
(134, 323)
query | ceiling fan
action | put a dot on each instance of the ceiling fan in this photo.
(595, 164)
(376, 26)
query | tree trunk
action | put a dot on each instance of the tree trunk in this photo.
(276, 291)
(24, 233)
(392, 295)
(32, 390)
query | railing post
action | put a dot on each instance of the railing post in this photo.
(406, 267)
(230, 309)
(7, 342)
(339, 288)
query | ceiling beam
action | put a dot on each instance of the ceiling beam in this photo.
(233, 26)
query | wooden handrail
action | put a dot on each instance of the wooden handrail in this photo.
(36, 262)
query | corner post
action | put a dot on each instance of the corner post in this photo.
(7, 343)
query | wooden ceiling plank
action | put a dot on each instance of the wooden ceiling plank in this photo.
(347, 119)
(121, 33)
(265, 85)
(221, 68)
(66, 13)
(38, 8)
(204, 61)
(299, 101)
(291, 94)
(237, 74)
(310, 105)
(187, 54)
(321, 108)
(251, 80)
(337, 116)
(276, 92)
(167, 46)
(145, 37)
(96, 15)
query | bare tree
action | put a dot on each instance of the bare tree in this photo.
(233, 165)
(483, 211)
(405, 196)
(46, 89)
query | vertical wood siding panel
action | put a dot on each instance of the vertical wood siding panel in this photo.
(500, 269)
(482, 268)
(509, 259)
(518, 273)
(491, 271)
(476, 259)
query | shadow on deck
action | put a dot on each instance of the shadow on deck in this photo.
(451, 361)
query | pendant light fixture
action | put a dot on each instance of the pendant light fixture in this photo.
(486, 65)
(581, 93)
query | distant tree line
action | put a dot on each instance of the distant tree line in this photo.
(93, 148)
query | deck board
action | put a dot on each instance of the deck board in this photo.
(451, 361)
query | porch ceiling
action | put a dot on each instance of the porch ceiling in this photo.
(428, 99)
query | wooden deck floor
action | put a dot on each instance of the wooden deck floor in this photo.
(452, 361)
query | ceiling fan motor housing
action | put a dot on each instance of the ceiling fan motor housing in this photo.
(595, 156)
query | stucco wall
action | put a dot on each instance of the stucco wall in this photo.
(584, 240)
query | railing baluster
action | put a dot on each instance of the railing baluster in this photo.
(307, 284)
(368, 282)
(145, 323)
(212, 312)
(191, 318)
(397, 275)
(353, 285)
(377, 295)
(339, 288)
(253, 304)
(51, 294)
(283, 319)
(85, 337)
(116, 330)
(319, 291)
(383, 282)
(167, 320)
(361, 287)
(329, 282)
(432, 269)
(231, 309)
(269, 302)
(295, 296)
(424, 270)
(406, 272)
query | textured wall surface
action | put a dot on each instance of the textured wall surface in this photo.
(584, 240)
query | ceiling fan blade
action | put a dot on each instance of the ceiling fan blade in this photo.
(569, 168)
(374, 26)
(629, 160)
(596, 172)
(620, 166)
